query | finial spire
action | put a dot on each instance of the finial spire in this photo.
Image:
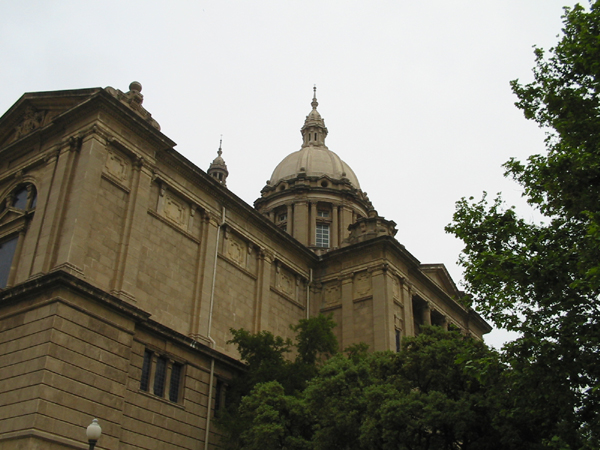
(314, 103)
(220, 152)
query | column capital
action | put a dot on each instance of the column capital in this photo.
(266, 255)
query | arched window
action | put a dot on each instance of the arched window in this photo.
(16, 210)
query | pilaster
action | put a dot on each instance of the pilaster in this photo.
(347, 310)
(383, 318)
(127, 266)
(51, 201)
(409, 319)
(206, 272)
(85, 164)
(261, 308)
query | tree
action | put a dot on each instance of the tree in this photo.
(543, 279)
(441, 391)
(273, 374)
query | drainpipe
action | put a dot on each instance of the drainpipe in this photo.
(310, 279)
(212, 341)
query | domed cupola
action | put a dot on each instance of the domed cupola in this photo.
(218, 168)
(314, 130)
(312, 193)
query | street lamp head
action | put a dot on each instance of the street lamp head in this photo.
(93, 432)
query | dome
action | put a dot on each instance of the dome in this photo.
(313, 161)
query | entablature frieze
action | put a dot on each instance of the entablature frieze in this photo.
(281, 262)
(288, 298)
(173, 226)
(138, 159)
(165, 183)
(238, 266)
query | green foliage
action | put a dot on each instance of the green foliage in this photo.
(273, 375)
(314, 339)
(441, 391)
(543, 280)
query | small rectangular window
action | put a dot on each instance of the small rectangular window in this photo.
(175, 381)
(145, 380)
(397, 340)
(159, 377)
(220, 397)
(322, 235)
(282, 217)
(322, 213)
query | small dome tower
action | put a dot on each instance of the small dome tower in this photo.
(218, 168)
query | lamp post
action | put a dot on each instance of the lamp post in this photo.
(93, 433)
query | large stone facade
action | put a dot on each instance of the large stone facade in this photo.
(123, 266)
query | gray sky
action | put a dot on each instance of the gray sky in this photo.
(415, 95)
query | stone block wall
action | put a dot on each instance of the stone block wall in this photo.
(70, 353)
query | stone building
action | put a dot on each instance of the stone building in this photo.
(123, 266)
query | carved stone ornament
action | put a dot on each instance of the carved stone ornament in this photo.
(362, 284)
(396, 288)
(285, 281)
(32, 120)
(236, 250)
(174, 210)
(117, 166)
(367, 228)
(332, 294)
(134, 99)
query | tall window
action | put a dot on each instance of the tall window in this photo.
(7, 253)
(322, 235)
(145, 380)
(21, 203)
(282, 220)
(176, 371)
(159, 377)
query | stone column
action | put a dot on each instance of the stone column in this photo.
(290, 219)
(427, 314)
(335, 237)
(444, 323)
(301, 221)
(347, 219)
(312, 229)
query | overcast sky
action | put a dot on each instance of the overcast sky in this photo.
(415, 95)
